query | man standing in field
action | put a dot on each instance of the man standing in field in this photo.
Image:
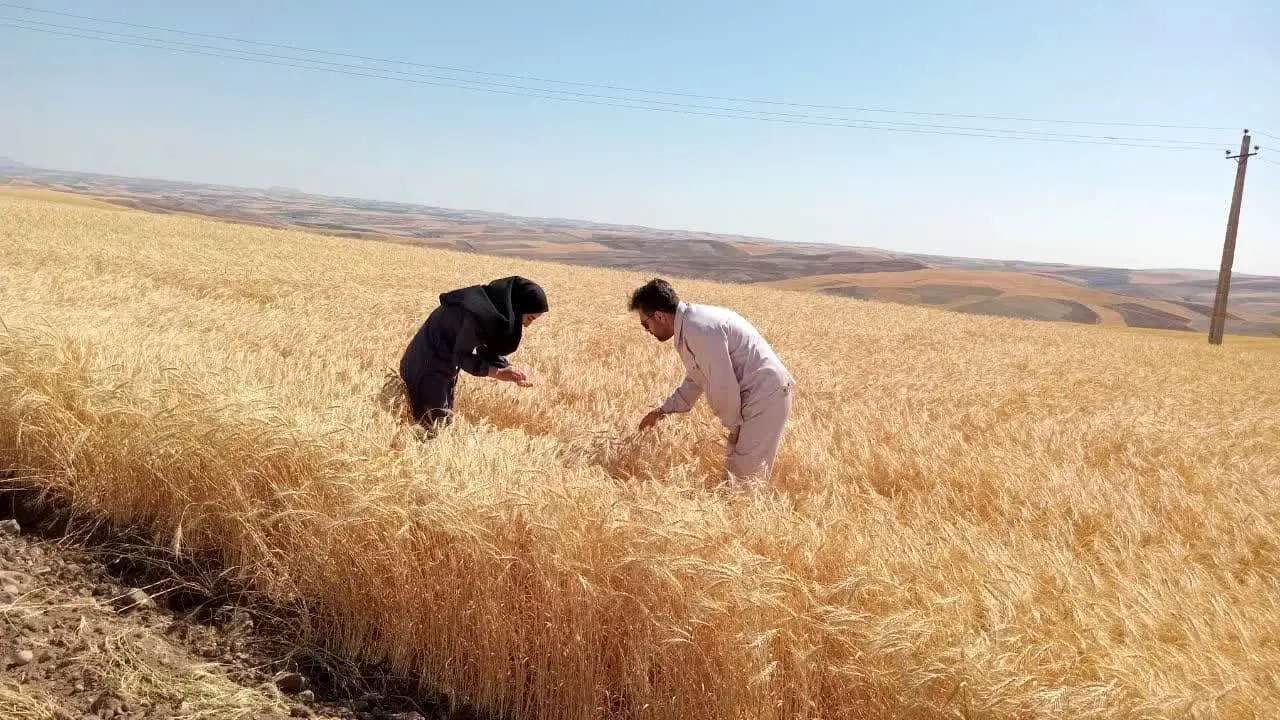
(728, 360)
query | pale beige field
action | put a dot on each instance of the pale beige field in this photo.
(36, 193)
(1239, 342)
(971, 517)
(1009, 283)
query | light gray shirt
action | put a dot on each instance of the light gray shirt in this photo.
(726, 358)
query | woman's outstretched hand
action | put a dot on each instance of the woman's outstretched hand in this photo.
(510, 374)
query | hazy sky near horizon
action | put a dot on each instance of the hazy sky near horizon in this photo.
(81, 104)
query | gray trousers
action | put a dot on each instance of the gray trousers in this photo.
(752, 453)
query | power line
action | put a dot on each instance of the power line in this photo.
(482, 85)
(627, 103)
(616, 88)
(1266, 160)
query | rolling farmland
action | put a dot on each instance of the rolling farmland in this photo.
(1168, 299)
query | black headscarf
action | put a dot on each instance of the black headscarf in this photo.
(498, 307)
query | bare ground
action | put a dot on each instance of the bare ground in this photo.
(95, 624)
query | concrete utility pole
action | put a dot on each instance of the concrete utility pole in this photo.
(1218, 321)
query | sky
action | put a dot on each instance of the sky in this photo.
(79, 104)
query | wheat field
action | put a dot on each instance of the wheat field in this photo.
(971, 517)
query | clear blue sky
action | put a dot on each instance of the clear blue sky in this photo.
(85, 105)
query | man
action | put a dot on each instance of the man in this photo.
(473, 329)
(726, 359)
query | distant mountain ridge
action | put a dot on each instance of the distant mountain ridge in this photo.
(1160, 298)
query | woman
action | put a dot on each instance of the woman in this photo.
(473, 329)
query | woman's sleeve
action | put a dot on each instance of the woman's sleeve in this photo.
(467, 353)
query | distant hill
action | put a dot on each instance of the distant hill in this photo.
(1170, 299)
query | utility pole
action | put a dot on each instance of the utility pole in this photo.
(1218, 321)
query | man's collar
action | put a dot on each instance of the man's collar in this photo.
(682, 309)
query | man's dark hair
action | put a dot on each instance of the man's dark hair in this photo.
(655, 295)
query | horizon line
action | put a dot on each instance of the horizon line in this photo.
(602, 224)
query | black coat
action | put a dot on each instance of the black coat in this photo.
(498, 309)
(449, 340)
(474, 329)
